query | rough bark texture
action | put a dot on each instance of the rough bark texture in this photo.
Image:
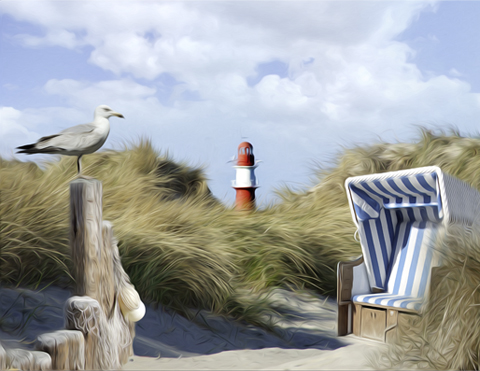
(100, 277)
(3, 358)
(66, 348)
(27, 360)
(86, 235)
(106, 279)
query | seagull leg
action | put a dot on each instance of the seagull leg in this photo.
(79, 165)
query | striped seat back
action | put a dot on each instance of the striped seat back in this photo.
(383, 238)
(414, 258)
(376, 236)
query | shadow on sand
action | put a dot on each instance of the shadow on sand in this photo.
(304, 321)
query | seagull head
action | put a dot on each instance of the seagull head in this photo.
(106, 111)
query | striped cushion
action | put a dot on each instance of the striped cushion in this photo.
(395, 301)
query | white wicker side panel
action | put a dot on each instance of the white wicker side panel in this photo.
(462, 201)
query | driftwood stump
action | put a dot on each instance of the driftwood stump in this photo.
(21, 359)
(24, 359)
(99, 277)
(98, 334)
(66, 348)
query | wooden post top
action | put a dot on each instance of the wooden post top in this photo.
(92, 261)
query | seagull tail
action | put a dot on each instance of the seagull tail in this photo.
(30, 149)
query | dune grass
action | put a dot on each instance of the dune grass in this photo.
(183, 248)
(180, 246)
(447, 334)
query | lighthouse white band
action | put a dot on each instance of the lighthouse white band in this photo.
(245, 176)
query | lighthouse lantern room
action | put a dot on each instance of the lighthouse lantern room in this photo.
(245, 183)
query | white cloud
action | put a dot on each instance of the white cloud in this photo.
(195, 41)
(348, 79)
(12, 131)
(9, 117)
(55, 37)
(87, 94)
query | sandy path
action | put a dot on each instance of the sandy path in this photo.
(305, 337)
(351, 357)
(307, 341)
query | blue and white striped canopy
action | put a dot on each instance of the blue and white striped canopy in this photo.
(409, 191)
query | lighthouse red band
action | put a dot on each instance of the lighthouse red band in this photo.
(245, 183)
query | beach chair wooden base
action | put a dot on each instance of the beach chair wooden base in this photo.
(379, 324)
(374, 322)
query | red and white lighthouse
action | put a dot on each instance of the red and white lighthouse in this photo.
(245, 183)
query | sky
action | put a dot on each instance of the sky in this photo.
(300, 80)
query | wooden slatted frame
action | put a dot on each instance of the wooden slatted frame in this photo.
(344, 293)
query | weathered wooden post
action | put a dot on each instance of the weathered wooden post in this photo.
(91, 255)
(95, 309)
(66, 349)
(105, 306)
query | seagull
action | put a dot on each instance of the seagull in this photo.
(78, 140)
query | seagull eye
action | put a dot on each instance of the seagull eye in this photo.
(107, 109)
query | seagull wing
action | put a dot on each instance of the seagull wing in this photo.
(74, 140)
(80, 139)
(79, 129)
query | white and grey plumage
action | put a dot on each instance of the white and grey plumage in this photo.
(78, 140)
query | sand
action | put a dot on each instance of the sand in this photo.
(304, 338)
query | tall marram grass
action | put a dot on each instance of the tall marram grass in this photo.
(183, 248)
(180, 246)
(447, 335)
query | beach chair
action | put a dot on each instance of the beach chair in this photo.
(400, 217)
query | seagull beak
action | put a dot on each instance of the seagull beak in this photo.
(117, 114)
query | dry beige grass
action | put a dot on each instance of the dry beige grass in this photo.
(447, 335)
(184, 249)
(179, 245)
